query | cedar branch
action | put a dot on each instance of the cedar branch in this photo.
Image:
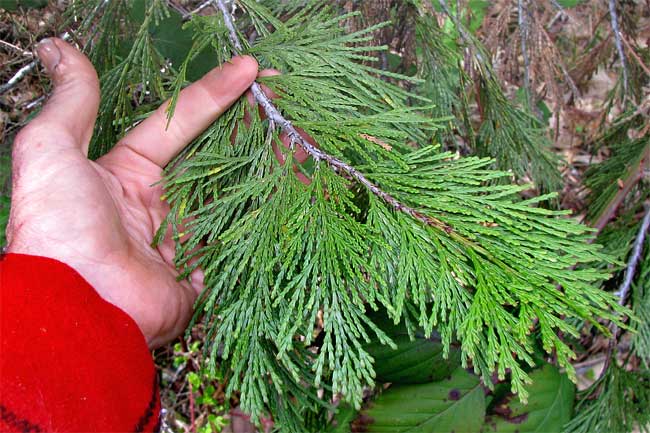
(276, 117)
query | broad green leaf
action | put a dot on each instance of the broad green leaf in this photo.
(549, 407)
(171, 40)
(419, 360)
(456, 404)
(174, 42)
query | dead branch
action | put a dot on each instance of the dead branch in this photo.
(636, 173)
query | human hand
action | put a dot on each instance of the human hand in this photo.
(100, 217)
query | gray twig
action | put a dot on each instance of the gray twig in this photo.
(276, 117)
(178, 8)
(561, 13)
(619, 45)
(232, 30)
(635, 55)
(633, 261)
(35, 102)
(18, 76)
(557, 16)
(25, 53)
(623, 291)
(523, 34)
(197, 9)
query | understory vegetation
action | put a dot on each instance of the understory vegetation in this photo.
(466, 247)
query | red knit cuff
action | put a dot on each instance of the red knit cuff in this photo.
(69, 361)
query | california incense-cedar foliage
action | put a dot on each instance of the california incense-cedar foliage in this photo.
(429, 239)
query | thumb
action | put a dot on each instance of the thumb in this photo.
(69, 115)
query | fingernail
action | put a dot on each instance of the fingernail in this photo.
(49, 54)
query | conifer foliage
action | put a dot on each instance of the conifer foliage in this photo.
(324, 273)
(425, 236)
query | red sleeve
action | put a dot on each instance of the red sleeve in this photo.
(69, 361)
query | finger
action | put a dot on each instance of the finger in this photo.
(198, 106)
(68, 118)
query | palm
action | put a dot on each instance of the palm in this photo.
(100, 217)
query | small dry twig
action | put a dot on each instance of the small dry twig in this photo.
(633, 262)
(196, 10)
(567, 76)
(24, 53)
(18, 76)
(522, 10)
(635, 176)
(623, 292)
(619, 45)
(635, 55)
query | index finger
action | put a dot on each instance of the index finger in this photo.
(197, 107)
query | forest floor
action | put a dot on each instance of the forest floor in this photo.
(572, 127)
